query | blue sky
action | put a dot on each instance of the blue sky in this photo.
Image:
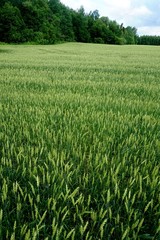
(142, 14)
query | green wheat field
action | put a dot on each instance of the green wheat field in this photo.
(79, 142)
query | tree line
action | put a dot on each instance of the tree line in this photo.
(50, 21)
(148, 40)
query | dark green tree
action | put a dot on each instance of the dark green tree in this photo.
(80, 25)
(55, 6)
(50, 21)
(148, 40)
(11, 23)
(130, 34)
(95, 14)
(66, 24)
(42, 25)
(98, 31)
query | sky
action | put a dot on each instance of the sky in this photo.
(142, 14)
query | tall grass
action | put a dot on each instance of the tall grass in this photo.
(79, 142)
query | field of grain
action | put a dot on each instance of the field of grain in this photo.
(79, 142)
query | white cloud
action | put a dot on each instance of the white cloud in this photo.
(137, 16)
(88, 5)
(126, 12)
(140, 11)
(148, 30)
(125, 4)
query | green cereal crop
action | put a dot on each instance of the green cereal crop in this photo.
(79, 142)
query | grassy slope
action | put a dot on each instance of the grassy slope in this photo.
(79, 141)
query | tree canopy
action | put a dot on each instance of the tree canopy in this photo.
(148, 40)
(50, 21)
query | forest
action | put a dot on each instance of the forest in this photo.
(50, 21)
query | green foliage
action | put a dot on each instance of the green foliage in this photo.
(149, 40)
(79, 142)
(120, 40)
(130, 35)
(11, 23)
(47, 22)
(80, 24)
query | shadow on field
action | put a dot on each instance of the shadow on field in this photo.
(5, 51)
